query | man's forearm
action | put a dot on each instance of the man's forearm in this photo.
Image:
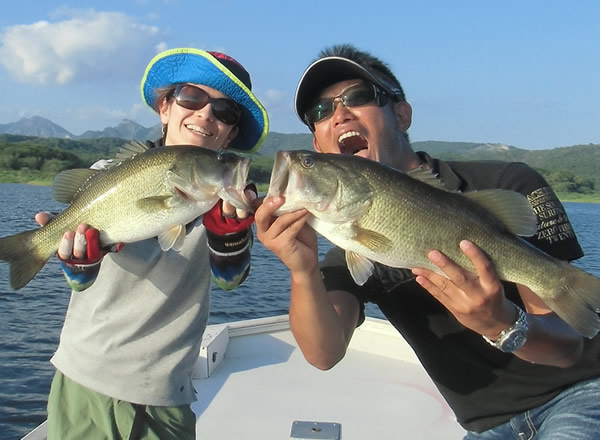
(321, 322)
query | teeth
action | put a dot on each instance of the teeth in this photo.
(352, 142)
(197, 129)
(347, 135)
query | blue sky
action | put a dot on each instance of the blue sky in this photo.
(522, 73)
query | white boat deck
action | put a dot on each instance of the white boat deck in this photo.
(253, 383)
(378, 391)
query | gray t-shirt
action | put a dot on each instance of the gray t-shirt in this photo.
(135, 334)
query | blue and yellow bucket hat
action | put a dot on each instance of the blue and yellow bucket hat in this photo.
(215, 70)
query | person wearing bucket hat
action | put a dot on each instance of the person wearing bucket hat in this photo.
(216, 71)
(505, 363)
(135, 321)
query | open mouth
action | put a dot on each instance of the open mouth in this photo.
(234, 184)
(279, 175)
(352, 142)
(244, 170)
(197, 130)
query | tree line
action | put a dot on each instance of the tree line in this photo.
(37, 160)
(25, 159)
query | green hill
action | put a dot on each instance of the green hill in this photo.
(571, 170)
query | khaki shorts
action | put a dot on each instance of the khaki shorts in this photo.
(76, 412)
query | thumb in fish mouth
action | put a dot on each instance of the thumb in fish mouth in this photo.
(240, 205)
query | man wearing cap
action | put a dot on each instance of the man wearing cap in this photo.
(131, 338)
(505, 363)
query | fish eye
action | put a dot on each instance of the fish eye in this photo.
(223, 156)
(307, 161)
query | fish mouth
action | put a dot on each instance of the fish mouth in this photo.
(235, 193)
(279, 175)
(243, 171)
(243, 179)
(352, 142)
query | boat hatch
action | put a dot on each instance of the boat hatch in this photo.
(305, 430)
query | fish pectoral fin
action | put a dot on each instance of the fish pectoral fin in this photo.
(511, 207)
(371, 239)
(172, 238)
(154, 203)
(360, 267)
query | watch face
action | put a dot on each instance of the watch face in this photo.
(514, 340)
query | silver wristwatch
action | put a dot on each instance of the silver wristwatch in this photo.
(513, 337)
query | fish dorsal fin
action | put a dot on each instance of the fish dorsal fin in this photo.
(360, 267)
(427, 176)
(67, 183)
(126, 151)
(129, 150)
(512, 208)
(172, 238)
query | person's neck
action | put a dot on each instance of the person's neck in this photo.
(409, 160)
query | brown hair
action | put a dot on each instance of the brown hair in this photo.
(162, 94)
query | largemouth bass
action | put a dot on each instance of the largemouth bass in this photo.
(146, 193)
(376, 213)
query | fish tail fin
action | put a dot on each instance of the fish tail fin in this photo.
(577, 302)
(23, 259)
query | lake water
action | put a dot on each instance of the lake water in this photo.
(31, 318)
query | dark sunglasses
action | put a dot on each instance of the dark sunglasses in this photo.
(194, 98)
(355, 95)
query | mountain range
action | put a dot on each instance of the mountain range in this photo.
(42, 127)
(38, 126)
(582, 160)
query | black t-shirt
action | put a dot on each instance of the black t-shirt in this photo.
(484, 386)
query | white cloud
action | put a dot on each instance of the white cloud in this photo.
(279, 106)
(87, 46)
(273, 97)
(161, 47)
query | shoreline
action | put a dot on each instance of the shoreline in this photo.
(563, 197)
(579, 198)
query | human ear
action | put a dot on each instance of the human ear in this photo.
(316, 145)
(403, 114)
(164, 111)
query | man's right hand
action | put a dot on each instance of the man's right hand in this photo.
(287, 236)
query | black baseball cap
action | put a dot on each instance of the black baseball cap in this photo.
(329, 70)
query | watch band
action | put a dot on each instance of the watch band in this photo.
(514, 337)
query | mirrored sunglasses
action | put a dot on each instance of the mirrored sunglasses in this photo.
(194, 98)
(355, 95)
